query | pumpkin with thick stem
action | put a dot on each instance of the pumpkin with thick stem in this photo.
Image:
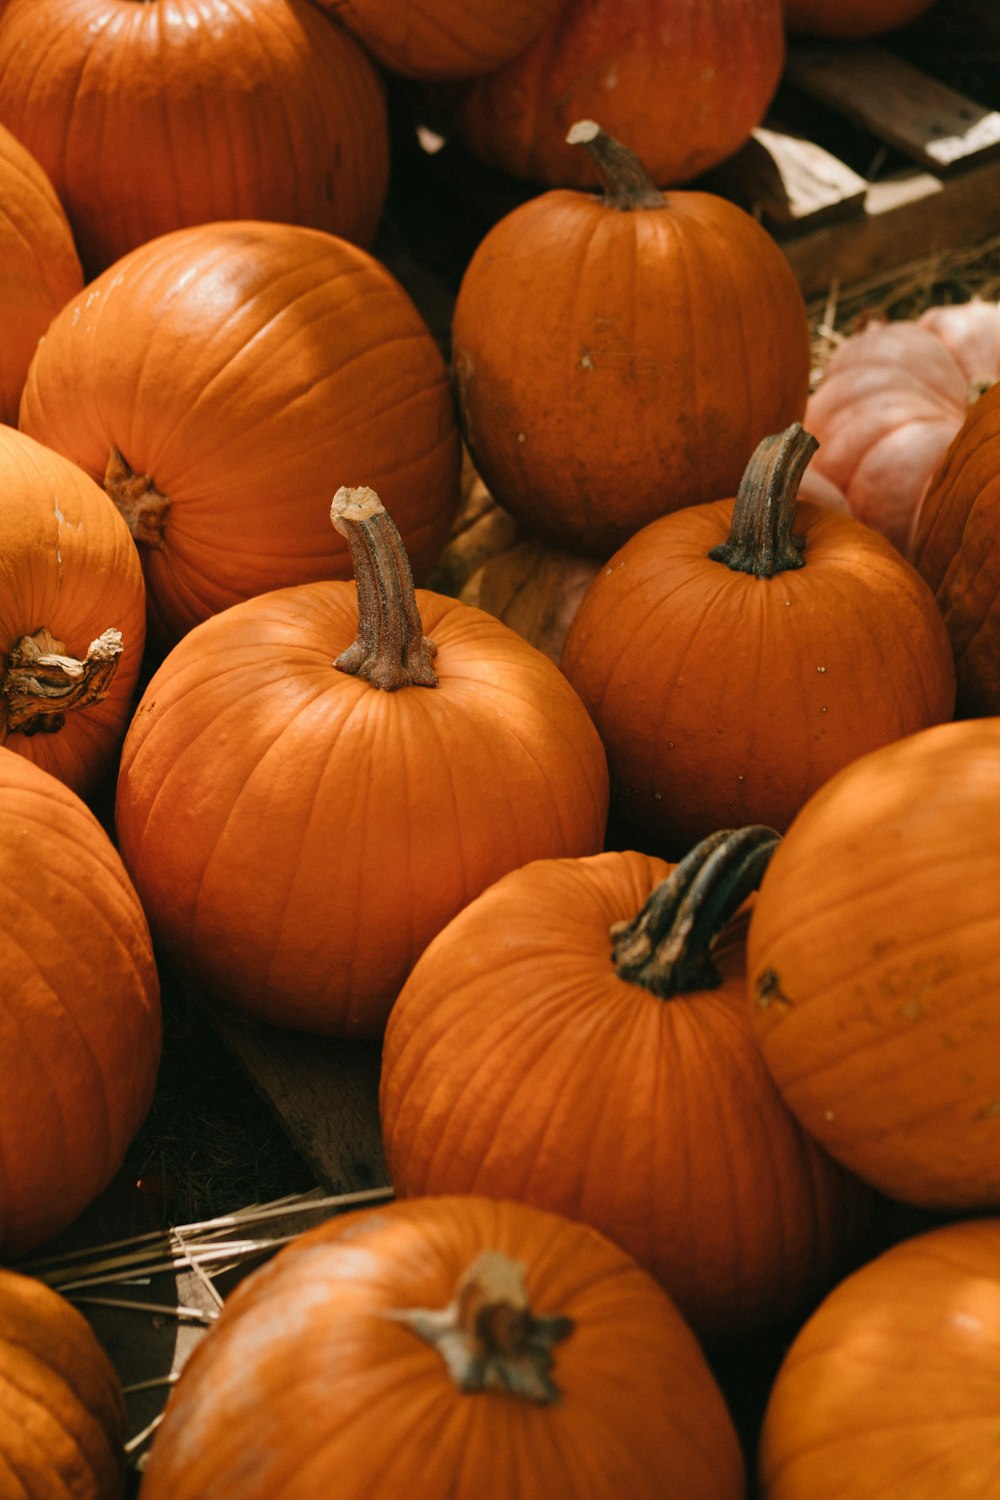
(316, 780)
(735, 655)
(62, 1417)
(874, 967)
(213, 380)
(619, 357)
(577, 1038)
(72, 615)
(473, 1348)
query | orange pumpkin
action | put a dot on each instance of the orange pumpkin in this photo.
(300, 827)
(217, 377)
(72, 615)
(80, 1020)
(39, 266)
(148, 117)
(473, 1349)
(436, 39)
(735, 655)
(534, 589)
(62, 1419)
(851, 18)
(577, 1038)
(890, 1388)
(874, 967)
(620, 357)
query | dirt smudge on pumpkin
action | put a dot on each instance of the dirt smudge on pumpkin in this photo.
(769, 992)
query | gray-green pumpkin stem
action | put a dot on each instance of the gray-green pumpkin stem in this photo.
(760, 537)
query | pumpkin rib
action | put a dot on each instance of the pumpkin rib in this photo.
(31, 1398)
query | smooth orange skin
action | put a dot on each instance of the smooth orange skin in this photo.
(80, 1021)
(439, 39)
(519, 1064)
(39, 267)
(680, 82)
(874, 967)
(70, 565)
(955, 550)
(148, 117)
(62, 1418)
(298, 836)
(724, 699)
(308, 1386)
(612, 366)
(850, 18)
(890, 1388)
(251, 369)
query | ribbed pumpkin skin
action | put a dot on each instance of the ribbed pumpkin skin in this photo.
(438, 39)
(680, 82)
(308, 1387)
(251, 369)
(298, 836)
(724, 699)
(68, 564)
(612, 366)
(874, 966)
(890, 1388)
(955, 549)
(39, 266)
(203, 110)
(517, 1063)
(62, 1421)
(80, 1022)
(851, 18)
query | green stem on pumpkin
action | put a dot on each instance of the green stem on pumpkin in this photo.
(627, 184)
(391, 650)
(488, 1337)
(667, 947)
(760, 537)
(42, 683)
(139, 502)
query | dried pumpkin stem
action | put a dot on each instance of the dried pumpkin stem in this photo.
(667, 947)
(627, 184)
(391, 650)
(488, 1337)
(139, 502)
(42, 684)
(760, 537)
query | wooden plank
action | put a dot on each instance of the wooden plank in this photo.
(788, 181)
(929, 122)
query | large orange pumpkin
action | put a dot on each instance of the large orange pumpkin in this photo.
(152, 116)
(72, 615)
(80, 1019)
(39, 266)
(460, 1348)
(735, 655)
(221, 381)
(309, 790)
(619, 357)
(850, 18)
(890, 1388)
(62, 1419)
(436, 39)
(874, 966)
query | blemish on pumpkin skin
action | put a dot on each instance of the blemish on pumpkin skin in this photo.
(768, 991)
(991, 1112)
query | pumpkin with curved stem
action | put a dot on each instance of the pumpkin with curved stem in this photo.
(578, 1039)
(735, 655)
(874, 966)
(80, 1021)
(890, 1387)
(437, 39)
(851, 18)
(62, 1418)
(312, 786)
(489, 1348)
(39, 267)
(273, 112)
(216, 377)
(619, 357)
(72, 615)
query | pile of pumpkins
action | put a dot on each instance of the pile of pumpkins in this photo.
(679, 920)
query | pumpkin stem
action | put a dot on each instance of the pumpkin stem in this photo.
(42, 684)
(391, 650)
(760, 537)
(138, 500)
(627, 184)
(488, 1337)
(667, 947)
